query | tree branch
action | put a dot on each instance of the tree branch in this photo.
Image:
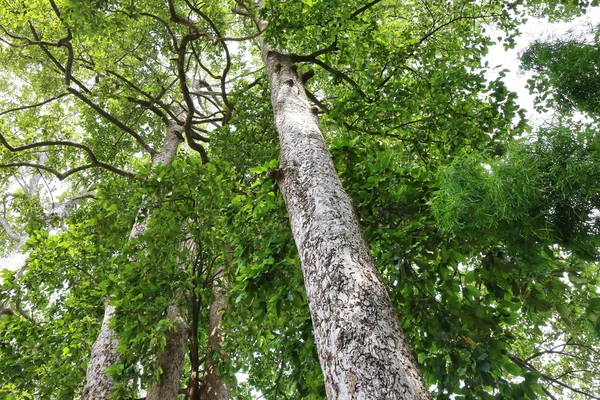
(112, 119)
(337, 73)
(9, 232)
(62, 175)
(42, 46)
(95, 162)
(526, 365)
(364, 8)
(27, 107)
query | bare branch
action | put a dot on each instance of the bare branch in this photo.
(95, 162)
(33, 105)
(9, 232)
(112, 119)
(62, 175)
(526, 365)
(364, 8)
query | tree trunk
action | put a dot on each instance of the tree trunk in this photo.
(213, 387)
(170, 360)
(360, 343)
(98, 385)
(104, 354)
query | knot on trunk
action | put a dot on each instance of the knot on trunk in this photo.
(275, 174)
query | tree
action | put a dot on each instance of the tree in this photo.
(395, 89)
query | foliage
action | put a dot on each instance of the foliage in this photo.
(568, 67)
(488, 246)
(543, 192)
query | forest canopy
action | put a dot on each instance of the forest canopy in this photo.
(295, 200)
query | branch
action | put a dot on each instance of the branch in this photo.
(95, 162)
(23, 313)
(145, 94)
(335, 72)
(9, 232)
(564, 353)
(81, 96)
(62, 175)
(311, 56)
(563, 346)
(548, 393)
(317, 102)
(112, 119)
(57, 63)
(363, 8)
(526, 365)
(167, 27)
(33, 105)
(62, 209)
(7, 311)
(223, 77)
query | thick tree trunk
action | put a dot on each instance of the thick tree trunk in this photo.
(104, 354)
(98, 385)
(213, 387)
(171, 360)
(360, 343)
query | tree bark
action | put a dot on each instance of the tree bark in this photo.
(360, 343)
(99, 386)
(170, 360)
(213, 387)
(104, 354)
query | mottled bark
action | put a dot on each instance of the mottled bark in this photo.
(104, 354)
(361, 346)
(104, 351)
(170, 360)
(213, 387)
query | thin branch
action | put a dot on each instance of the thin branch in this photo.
(339, 74)
(62, 175)
(526, 365)
(564, 353)
(112, 119)
(33, 105)
(549, 393)
(167, 27)
(95, 162)
(223, 77)
(364, 8)
(152, 99)
(54, 60)
(563, 345)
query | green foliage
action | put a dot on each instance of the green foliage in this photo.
(566, 74)
(544, 193)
